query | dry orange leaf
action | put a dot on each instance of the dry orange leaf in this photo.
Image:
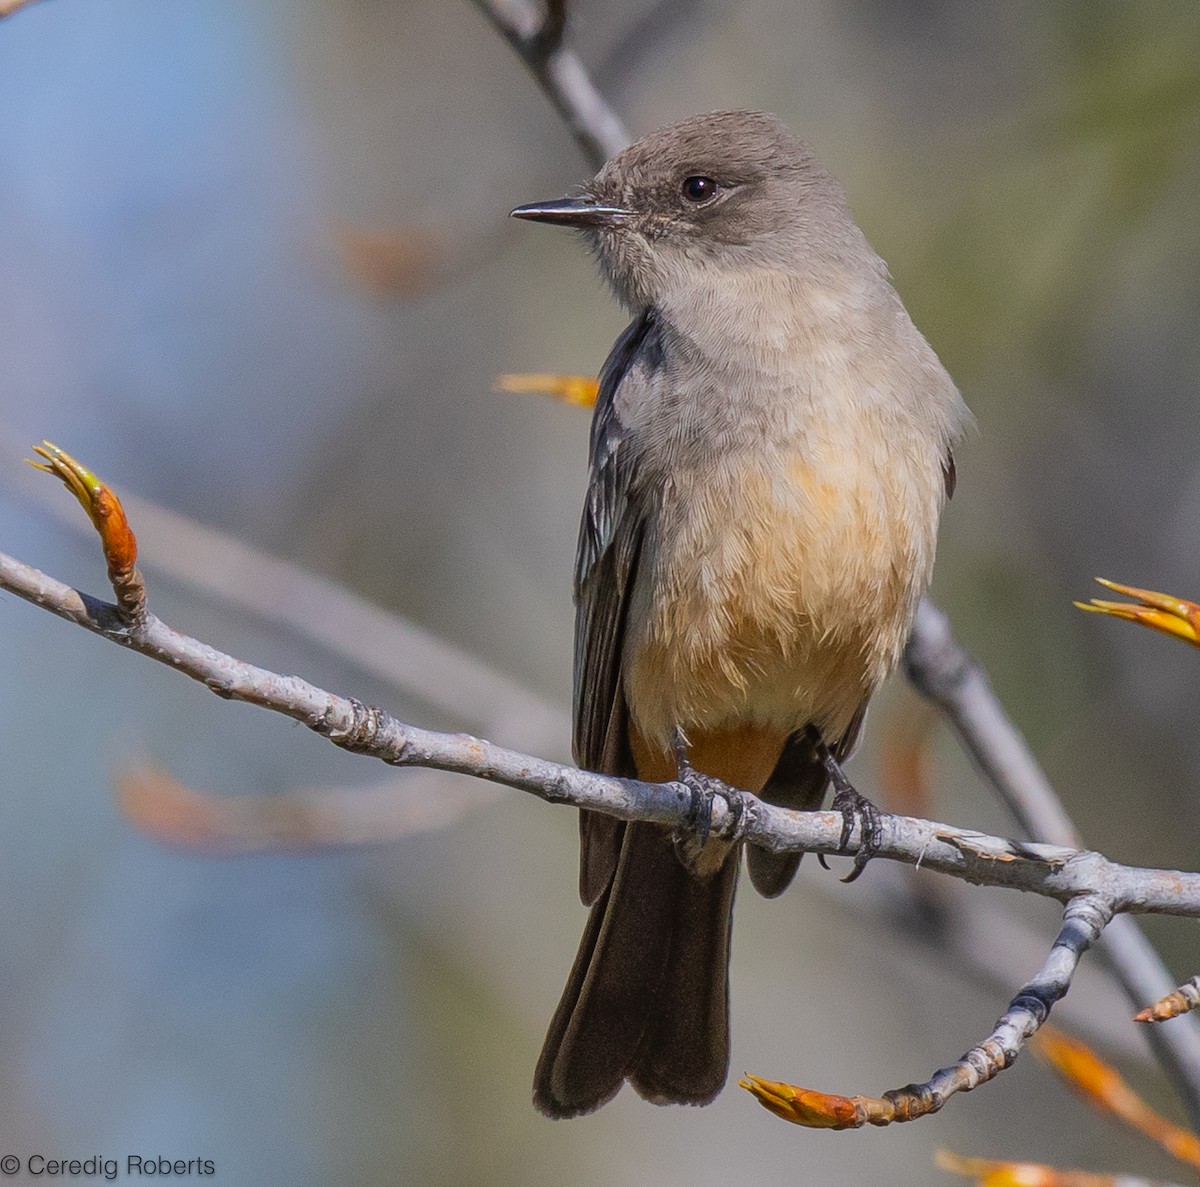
(905, 759)
(172, 813)
(302, 821)
(392, 263)
(1103, 1087)
(578, 390)
(989, 1173)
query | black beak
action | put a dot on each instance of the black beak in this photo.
(574, 212)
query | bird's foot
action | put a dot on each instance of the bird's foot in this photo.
(692, 842)
(856, 810)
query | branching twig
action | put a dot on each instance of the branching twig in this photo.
(535, 32)
(940, 669)
(1084, 919)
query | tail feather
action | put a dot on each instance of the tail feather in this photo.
(647, 999)
(684, 1056)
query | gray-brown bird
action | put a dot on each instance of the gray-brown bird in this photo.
(770, 454)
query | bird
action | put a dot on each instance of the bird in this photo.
(771, 449)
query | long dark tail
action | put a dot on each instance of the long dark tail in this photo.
(648, 996)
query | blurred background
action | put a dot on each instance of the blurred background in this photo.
(255, 268)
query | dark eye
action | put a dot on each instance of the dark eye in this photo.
(699, 189)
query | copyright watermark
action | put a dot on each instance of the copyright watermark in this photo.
(130, 1166)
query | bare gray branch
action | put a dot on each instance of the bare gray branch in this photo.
(1053, 871)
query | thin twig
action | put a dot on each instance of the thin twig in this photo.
(1084, 918)
(535, 33)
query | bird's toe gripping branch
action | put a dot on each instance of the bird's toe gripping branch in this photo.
(108, 517)
(857, 811)
(692, 843)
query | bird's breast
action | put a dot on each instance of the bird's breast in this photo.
(778, 586)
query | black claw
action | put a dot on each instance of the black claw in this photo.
(701, 807)
(704, 790)
(855, 809)
(737, 809)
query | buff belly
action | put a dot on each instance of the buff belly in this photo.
(778, 594)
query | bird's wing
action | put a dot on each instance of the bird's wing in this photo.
(610, 540)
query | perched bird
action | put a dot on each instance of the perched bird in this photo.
(770, 454)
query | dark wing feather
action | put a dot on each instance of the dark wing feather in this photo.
(949, 474)
(610, 539)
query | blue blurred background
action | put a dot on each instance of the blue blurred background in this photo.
(255, 267)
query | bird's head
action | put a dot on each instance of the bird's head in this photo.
(716, 193)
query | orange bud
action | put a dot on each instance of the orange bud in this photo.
(116, 536)
(1178, 1001)
(1160, 612)
(97, 499)
(108, 517)
(806, 1106)
(577, 390)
